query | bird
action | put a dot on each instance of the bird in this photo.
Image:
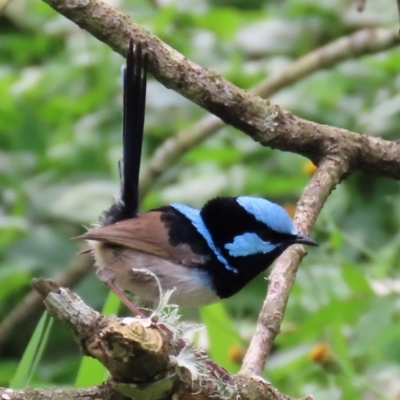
(203, 255)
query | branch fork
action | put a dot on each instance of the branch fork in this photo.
(143, 360)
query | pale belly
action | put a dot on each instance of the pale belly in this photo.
(192, 286)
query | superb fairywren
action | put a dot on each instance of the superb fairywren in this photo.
(207, 254)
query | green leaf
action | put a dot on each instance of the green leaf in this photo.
(223, 337)
(33, 353)
(213, 21)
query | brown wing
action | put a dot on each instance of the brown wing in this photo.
(145, 233)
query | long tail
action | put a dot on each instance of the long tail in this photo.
(135, 76)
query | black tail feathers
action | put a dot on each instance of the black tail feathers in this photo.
(134, 80)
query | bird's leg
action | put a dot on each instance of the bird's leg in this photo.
(114, 288)
(108, 279)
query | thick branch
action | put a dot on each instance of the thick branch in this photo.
(282, 277)
(254, 388)
(124, 346)
(359, 43)
(140, 356)
(264, 122)
(92, 393)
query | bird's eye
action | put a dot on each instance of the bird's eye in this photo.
(266, 235)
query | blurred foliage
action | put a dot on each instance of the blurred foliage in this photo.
(60, 120)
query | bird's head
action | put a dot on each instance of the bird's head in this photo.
(243, 235)
(248, 228)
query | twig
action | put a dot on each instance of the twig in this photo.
(329, 174)
(398, 7)
(361, 5)
(3, 5)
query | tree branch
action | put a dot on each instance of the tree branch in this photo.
(142, 357)
(264, 122)
(361, 5)
(357, 44)
(281, 279)
(92, 393)
(398, 7)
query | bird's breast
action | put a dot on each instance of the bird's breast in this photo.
(129, 268)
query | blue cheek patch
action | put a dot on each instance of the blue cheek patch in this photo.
(194, 216)
(249, 244)
(270, 214)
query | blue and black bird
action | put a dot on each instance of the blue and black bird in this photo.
(207, 254)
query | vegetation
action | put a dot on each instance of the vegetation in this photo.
(60, 124)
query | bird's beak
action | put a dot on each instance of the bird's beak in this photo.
(301, 239)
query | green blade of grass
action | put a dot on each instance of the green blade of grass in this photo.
(32, 354)
(222, 335)
(42, 346)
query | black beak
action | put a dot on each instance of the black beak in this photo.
(305, 240)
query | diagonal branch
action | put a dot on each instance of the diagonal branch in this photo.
(398, 7)
(361, 5)
(264, 122)
(358, 43)
(329, 174)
